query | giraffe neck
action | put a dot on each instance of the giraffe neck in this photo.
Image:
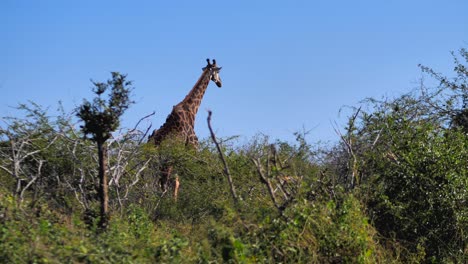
(193, 99)
(181, 120)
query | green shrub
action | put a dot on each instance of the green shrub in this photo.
(320, 232)
(413, 176)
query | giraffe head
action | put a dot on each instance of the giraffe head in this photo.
(214, 72)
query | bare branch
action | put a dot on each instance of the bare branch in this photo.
(349, 147)
(34, 178)
(137, 177)
(264, 179)
(221, 156)
(6, 169)
(141, 119)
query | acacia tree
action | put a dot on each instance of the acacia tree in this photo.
(101, 117)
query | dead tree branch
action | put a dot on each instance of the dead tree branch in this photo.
(264, 179)
(348, 142)
(221, 156)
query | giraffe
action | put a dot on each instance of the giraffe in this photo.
(181, 121)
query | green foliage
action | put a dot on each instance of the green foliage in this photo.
(414, 177)
(225, 245)
(331, 231)
(41, 235)
(406, 159)
(418, 187)
(170, 250)
(100, 117)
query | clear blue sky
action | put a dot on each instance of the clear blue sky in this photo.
(287, 65)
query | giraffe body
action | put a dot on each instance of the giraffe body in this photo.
(180, 122)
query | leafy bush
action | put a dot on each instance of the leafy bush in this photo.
(413, 177)
(323, 231)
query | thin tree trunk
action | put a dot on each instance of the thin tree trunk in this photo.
(103, 184)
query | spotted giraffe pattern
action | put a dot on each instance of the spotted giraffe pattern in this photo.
(181, 121)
